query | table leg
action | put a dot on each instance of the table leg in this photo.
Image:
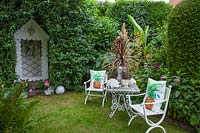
(114, 105)
(129, 110)
(118, 103)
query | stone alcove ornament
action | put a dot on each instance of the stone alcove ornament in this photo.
(31, 50)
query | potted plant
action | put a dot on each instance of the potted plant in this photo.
(49, 89)
(124, 56)
(151, 95)
(125, 79)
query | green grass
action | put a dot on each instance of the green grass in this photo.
(67, 113)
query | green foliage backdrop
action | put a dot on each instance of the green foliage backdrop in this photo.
(153, 14)
(79, 33)
(82, 30)
(77, 37)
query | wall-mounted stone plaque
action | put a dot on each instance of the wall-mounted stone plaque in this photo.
(31, 48)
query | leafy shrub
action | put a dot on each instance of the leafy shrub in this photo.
(185, 99)
(155, 60)
(14, 109)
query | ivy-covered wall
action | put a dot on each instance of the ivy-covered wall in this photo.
(77, 37)
(79, 33)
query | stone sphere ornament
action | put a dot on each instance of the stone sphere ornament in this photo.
(60, 90)
(132, 82)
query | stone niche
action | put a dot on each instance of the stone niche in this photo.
(31, 50)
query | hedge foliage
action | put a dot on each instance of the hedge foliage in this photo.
(79, 33)
(183, 60)
(153, 14)
(77, 37)
(184, 39)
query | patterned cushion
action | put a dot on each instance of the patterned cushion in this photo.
(155, 92)
(97, 78)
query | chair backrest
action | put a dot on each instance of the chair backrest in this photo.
(160, 93)
(106, 77)
(167, 92)
(166, 97)
(155, 89)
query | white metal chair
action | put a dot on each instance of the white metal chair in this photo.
(90, 91)
(141, 110)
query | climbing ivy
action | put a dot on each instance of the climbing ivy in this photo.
(77, 37)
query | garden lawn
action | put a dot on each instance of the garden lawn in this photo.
(68, 113)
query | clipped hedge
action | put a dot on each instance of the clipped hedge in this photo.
(183, 60)
(184, 39)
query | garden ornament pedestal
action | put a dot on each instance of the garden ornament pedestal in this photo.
(31, 51)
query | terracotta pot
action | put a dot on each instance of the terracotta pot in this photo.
(97, 84)
(149, 100)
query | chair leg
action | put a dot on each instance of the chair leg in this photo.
(153, 124)
(131, 119)
(103, 102)
(86, 98)
(104, 98)
(87, 95)
(155, 127)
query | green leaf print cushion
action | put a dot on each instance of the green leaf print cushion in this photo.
(155, 91)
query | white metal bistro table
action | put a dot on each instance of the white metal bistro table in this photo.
(119, 100)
